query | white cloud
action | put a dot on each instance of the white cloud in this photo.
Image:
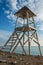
(41, 26)
(35, 5)
(13, 4)
(3, 8)
(4, 35)
(11, 16)
(7, 11)
(7, 5)
(40, 14)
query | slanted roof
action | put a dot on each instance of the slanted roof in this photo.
(23, 13)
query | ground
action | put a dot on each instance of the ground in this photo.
(18, 59)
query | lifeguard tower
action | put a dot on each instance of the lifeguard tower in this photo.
(23, 34)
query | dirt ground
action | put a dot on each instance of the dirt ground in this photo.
(18, 59)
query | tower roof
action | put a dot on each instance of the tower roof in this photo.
(23, 13)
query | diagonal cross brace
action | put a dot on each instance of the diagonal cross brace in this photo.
(13, 48)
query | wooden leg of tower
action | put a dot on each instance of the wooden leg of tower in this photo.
(38, 44)
(40, 50)
(29, 48)
(14, 47)
(28, 33)
(38, 47)
(7, 41)
(5, 44)
(29, 43)
(23, 39)
(37, 37)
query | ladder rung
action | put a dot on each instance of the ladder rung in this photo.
(13, 37)
(12, 42)
(3, 47)
(18, 31)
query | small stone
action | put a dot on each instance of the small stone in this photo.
(26, 63)
(21, 59)
(3, 61)
(3, 53)
(15, 62)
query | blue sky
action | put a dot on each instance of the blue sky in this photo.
(7, 18)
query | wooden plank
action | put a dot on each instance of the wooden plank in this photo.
(28, 34)
(25, 28)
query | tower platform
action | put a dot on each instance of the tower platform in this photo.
(25, 28)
